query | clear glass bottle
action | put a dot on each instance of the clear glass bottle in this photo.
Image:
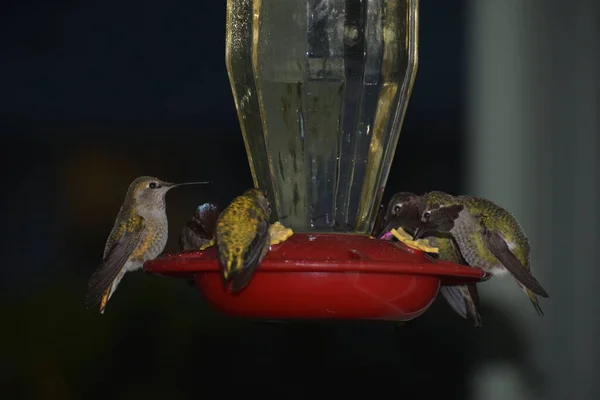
(321, 89)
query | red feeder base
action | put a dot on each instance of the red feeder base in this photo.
(325, 276)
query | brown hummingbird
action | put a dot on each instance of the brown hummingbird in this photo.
(404, 211)
(488, 236)
(139, 234)
(242, 237)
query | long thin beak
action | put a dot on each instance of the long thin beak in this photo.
(388, 227)
(172, 185)
(418, 232)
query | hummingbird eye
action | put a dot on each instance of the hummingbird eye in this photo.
(426, 216)
(397, 209)
(153, 185)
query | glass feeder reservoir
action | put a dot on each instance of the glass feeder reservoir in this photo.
(321, 88)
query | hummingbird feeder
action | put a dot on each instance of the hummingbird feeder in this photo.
(321, 89)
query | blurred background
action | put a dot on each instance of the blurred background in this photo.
(93, 94)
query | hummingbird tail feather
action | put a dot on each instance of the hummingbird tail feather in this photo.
(92, 301)
(241, 278)
(104, 301)
(224, 281)
(477, 319)
(535, 302)
(109, 292)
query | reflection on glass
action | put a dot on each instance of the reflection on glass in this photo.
(321, 88)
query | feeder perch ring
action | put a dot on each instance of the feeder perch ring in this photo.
(325, 276)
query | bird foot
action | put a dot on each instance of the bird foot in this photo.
(207, 245)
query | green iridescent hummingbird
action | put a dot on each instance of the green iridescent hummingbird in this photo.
(487, 235)
(404, 212)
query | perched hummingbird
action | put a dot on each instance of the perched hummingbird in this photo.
(139, 234)
(404, 212)
(242, 237)
(200, 230)
(488, 236)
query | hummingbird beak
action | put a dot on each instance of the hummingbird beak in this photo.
(172, 185)
(388, 227)
(418, 232)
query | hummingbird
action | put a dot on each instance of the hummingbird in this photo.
(242, 237)
(487, 235)
(139, 234)
(404, 211)
(200, 230)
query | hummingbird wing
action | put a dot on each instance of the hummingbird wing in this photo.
(115, 259)
(443, 218)
(455, 299)
(471, 295)
(499, 248)
(463, 299)
(256, 251)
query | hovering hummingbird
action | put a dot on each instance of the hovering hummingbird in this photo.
(139, 234)
(403, 211)
(242, 237)
(200, 230)
(487, 235)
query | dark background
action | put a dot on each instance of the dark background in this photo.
(94, 94)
